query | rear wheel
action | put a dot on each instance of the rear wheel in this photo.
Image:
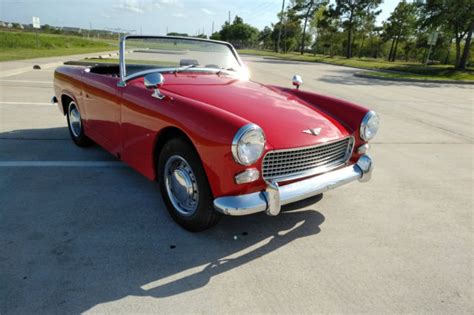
(74, 122)
(184, 186)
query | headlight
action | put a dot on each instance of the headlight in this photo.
(248, 144)
(369, 126)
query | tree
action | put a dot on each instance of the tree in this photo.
(238, 33)
(326, 23)
(291, 30)
(350, 10)
(400, 25)
(455, 15)
(177, 34)
(306, 8)
(265, 37)
(367, 26)
(216, 36)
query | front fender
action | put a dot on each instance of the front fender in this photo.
(209, 128)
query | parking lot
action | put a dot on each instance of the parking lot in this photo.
(77, 235)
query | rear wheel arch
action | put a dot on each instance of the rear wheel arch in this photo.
(65, 100)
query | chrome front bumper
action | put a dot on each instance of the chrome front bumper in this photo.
(274, 196)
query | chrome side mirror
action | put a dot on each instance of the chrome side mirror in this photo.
(297, 81)
(155, 81)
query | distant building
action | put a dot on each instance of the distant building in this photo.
(9, 25)
(2, 24)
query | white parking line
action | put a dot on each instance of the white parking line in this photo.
(26, 81)
(61, 164)
(26, 103)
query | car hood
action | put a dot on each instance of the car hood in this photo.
(283, 117)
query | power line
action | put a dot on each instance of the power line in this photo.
(261, 11)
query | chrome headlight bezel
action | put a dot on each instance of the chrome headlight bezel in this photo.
(368, 119)
(236, 142)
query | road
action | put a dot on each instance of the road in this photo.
(81, 237)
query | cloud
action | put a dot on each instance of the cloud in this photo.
(130, 5)
(179, 15)
(168, 1)
(163, 3)
(208, 12)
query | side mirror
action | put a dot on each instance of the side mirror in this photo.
(297, 81)
(155, 81)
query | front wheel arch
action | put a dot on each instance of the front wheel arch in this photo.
(162, 138)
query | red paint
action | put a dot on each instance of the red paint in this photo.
(209, 109)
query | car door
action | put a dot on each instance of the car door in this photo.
(141, 119)
(102, 103)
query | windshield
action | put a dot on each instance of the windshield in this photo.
(145, 53)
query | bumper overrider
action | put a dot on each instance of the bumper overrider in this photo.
(273, 197)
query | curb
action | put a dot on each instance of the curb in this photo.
(368, 76)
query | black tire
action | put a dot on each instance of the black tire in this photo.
(77, 135)
(204, 215)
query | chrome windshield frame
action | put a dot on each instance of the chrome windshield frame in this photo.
(122, 50)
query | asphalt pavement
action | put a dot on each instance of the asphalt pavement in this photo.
(81, 232)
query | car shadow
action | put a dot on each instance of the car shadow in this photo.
(72, 239)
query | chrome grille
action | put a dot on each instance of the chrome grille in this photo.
(290, 164)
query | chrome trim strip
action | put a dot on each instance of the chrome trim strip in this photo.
(316, 170)
(275, 196)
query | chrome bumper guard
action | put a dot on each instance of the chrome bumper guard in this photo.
(274, 196)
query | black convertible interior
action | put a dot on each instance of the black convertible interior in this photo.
(113, 69)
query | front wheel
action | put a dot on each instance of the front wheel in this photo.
(76, 128)
(184, 186)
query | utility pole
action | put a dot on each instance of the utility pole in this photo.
(167, 30)
(281, 25)
(212, 28)
(229, 14)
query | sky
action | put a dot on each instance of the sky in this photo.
(151, 17)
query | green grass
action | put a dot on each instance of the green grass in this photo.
(399, 69)
(22, 45)
(445, 75)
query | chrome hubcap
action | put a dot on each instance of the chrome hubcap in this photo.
(181, 185)
(75, 119)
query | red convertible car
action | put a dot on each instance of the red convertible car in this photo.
(183, 111)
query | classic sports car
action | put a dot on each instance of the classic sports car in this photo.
(184, 112)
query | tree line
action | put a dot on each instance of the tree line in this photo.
(348, 28)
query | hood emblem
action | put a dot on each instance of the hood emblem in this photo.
(313, 131)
